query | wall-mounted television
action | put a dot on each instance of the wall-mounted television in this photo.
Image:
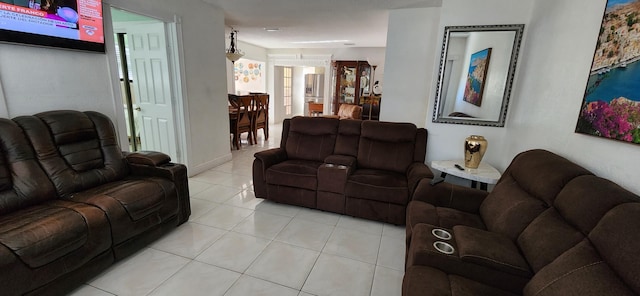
(74, 24)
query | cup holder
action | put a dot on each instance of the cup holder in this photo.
(329, 165)
(444, 248)
(441, 234)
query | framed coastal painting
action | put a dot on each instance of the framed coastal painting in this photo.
(476, 77)
(611, 104)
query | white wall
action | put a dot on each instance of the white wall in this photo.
(208, 113)
(276, 105)
(37, 79)
(545, 109)
(550, 81)
(454, 72)
(297, 100)
(409, 62)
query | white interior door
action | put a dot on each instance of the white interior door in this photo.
(152, 87)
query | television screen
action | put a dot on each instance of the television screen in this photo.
(75, 24)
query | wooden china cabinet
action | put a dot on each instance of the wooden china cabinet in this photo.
(351, 80)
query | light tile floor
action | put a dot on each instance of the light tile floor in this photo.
(235, 245)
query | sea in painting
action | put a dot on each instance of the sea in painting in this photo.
(475, 80)
(611, 106)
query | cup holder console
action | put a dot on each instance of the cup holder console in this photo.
(441, 234)
(444, 248)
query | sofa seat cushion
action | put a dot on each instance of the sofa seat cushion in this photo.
(295, 173)
(428, 281)
(490, 249)
(41, 234)
(132, 205)
(379, 185)
(422, 212)
(138, 198)
(42, 243)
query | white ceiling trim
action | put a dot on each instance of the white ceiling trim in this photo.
(309, 60)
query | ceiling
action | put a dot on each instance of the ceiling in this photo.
(313, 23)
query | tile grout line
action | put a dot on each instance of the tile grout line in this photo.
(318, 258)
(375, 267)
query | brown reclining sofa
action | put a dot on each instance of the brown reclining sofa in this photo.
(549, 227)
(366, 169)
(71, 203)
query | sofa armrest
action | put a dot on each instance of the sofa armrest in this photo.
(416, 172)
(152, 158)
(490, 249)
(176, 173)
(270, 157)
(344, 160)
(450, 196)
(263, 161)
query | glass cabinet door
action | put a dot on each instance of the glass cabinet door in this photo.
(365, 80)
(352, 80)
(347, 85)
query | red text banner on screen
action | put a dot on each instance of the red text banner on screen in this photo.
(90, 22)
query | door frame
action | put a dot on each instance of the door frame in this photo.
(173, 30)
(299, 60)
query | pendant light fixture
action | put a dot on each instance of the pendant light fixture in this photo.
(233, 53)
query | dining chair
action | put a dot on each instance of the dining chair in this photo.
(240, 120)
(233, 100)
(261, 116)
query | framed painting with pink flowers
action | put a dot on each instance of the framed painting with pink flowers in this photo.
(611, 104)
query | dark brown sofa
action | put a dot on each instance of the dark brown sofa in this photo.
(365, 169)
(549, 227)
(71, 204)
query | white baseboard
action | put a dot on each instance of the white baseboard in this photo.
(202, 167)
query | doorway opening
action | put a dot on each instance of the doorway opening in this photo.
(126, 82)
(145, 65)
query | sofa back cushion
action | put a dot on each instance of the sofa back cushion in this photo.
(311, 138)
(78, 150)
(387, 146)
(348, 137)
(526, 189)
(546, 238)
(576, 211)
(22, 182)
(604, 263)
(586, 199)
(617, 239)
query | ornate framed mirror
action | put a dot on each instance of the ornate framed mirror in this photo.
(477, 68)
